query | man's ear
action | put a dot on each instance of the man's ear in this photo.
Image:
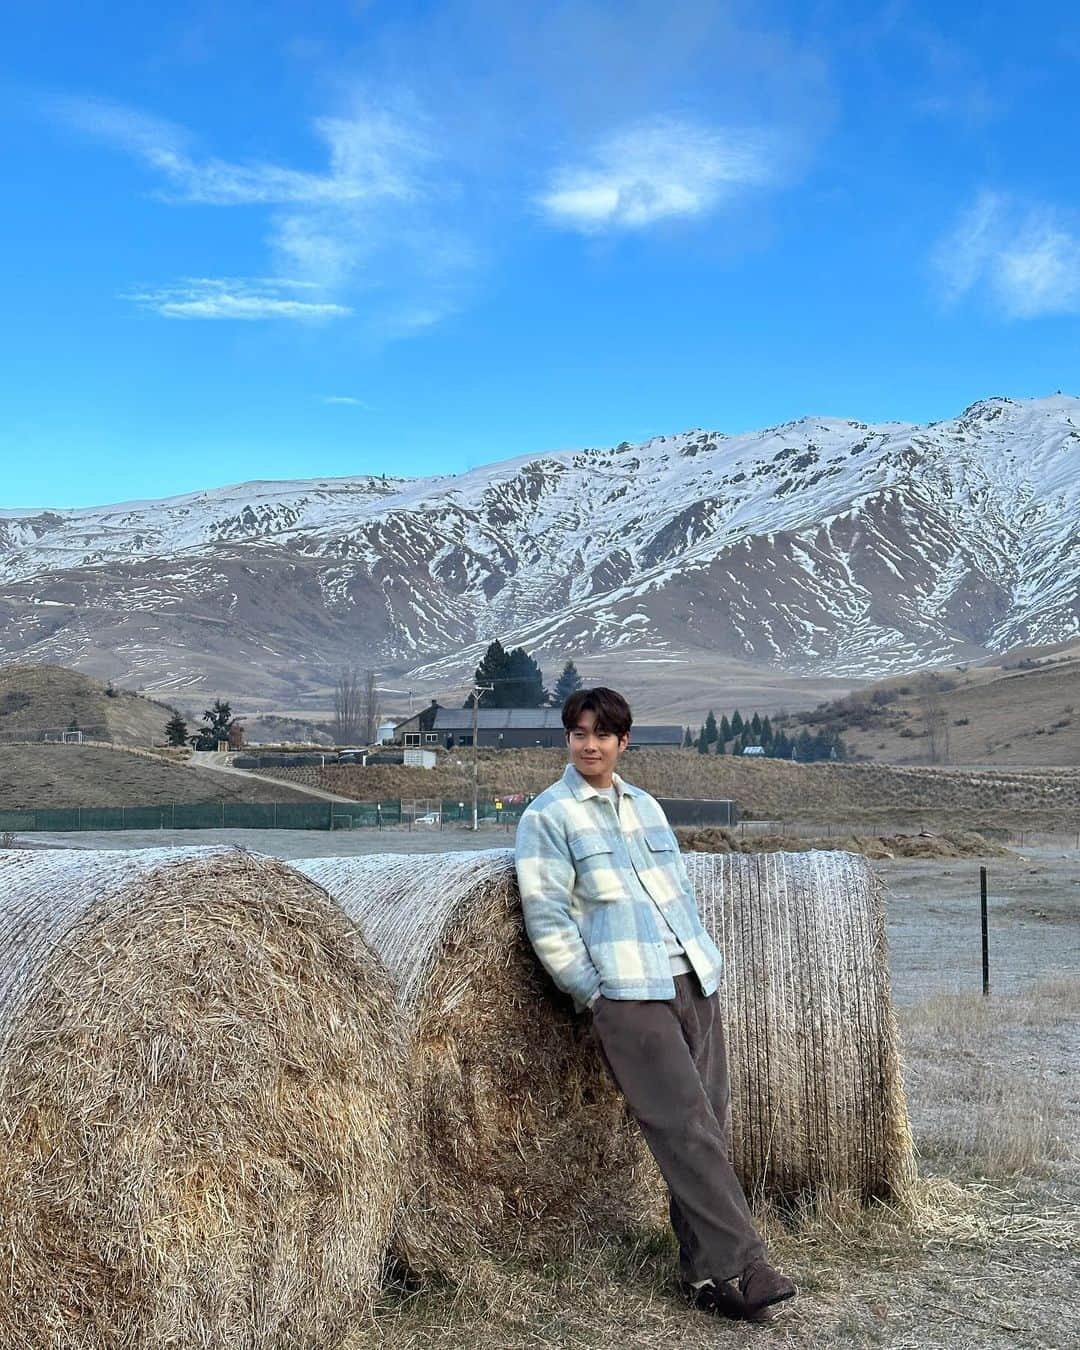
(624, 741)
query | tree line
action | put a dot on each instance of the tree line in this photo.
(714, 738)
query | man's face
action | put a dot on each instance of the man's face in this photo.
(594, 753)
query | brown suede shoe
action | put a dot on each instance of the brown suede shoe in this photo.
(761, 1286)
(721, 1298)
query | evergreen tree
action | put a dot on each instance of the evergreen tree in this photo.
(709, 729)
(804, 745)
(523, 684)
(702, 743)
(492, 665)
(569, 682)
(176, 732)
(516, 680)
(736, 722)
(766, 731)
(687, 740)
(755, 727)
(725, 730)
(219, 720)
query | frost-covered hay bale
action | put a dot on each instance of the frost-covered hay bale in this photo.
(524, 1143)
(817, 1095)
(199, 1104)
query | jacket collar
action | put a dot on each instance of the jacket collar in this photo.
(583, 789)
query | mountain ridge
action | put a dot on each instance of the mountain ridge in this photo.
(823, 545)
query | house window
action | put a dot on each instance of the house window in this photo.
(431, 736)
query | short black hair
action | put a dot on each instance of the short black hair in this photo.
(611, 709)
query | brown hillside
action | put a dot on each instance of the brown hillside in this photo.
(35, 699)
(89, 775)
(764, 788)
(1024, 712)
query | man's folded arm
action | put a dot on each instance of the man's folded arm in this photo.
(545, 873)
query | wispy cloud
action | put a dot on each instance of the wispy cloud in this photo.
(343, 400)
(1026, 257)
(654, 171)
(369, 221)
(236, 298)
(372, 156)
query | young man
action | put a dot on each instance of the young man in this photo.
(611, 915)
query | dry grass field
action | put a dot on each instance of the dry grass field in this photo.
(1009, 713)
(851, 794)
(38, 698)
(91, 775)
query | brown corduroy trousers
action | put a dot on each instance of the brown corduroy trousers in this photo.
(669, 1060)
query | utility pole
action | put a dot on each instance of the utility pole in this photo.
(477, 690)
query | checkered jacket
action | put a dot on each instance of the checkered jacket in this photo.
(590, 925)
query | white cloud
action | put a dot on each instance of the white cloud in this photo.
(344, 400)
(372, 219)
(372, 156)
(236, 298)
(654, 171)
(1026, 257)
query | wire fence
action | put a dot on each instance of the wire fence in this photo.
(389, 814)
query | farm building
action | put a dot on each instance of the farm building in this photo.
(514, 728)
(418, 728)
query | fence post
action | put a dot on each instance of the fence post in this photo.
(985, 935)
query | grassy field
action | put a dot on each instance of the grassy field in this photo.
(88, 775)
(854, 794)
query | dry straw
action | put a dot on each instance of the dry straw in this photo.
(524, 1145)
(199, 1105)
(818, 1103)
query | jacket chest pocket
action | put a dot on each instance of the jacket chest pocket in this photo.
(599, 876)
(661, 851)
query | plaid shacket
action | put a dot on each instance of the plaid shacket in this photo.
(580, 870)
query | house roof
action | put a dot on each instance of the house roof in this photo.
(499, 719)
(538, 719)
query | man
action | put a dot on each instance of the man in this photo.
(611, 915)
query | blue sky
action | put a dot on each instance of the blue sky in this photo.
(285, 240)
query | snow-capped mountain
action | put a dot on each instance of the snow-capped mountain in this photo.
(819, 546)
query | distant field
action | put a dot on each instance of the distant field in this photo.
(85, 775)
(767, 789)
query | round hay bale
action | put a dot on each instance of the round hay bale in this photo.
(817, 1095)
(200, 1103)
(524, 1144)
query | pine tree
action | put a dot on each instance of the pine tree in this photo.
(687, 740)
(725, 730)
(523, 684)
(755, 727)
(766, 731)
(176, 732)
(492, 666)
(569, 682)
(709, 729)
(516, 680)
(702, 743)
(736, 723)
(219, 720)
